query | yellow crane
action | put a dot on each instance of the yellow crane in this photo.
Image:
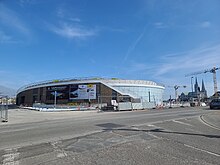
(213, 71)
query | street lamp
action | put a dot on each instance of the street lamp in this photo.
(88, 91)
(192, 88)
(192, 84)
(55, 99)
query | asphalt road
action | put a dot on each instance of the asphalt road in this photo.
(171, 136)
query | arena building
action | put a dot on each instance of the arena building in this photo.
(90, 91)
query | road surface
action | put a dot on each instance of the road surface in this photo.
(166, 136)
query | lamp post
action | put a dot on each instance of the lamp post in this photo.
(192, 88)
(55, 99)
(192, 84)
(88, 91)
(170, 102)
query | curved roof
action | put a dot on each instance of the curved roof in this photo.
(111, 82)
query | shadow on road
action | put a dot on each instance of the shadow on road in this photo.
(184, 133)
(163, 131)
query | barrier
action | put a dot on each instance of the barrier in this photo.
(122, 103)
(4, 109)
(4, 113)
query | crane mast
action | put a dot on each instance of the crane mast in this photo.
(176, 87)
(215, 80)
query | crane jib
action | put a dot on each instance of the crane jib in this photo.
(213, 70)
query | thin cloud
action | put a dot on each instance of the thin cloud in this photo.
(7, 39)
(69, 26)
(205, 24)
(172, 68)
(72, 32)
(64, 14)
(15, 29)
(135, 43)
(75, 19)
(11, 19)
(192, 60)
(160, 25)
(112, 29)
(4, 38)
(23, 2)
(138, 67)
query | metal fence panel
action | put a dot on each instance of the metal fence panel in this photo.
(123, 103)
(147, 105)
(125, 106)
(4, 113)
(137, 106)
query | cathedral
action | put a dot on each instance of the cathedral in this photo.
(196, 94)
(200, 93)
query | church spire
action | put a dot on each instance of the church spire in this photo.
(196, 86)
(203, 91)
(203, 87)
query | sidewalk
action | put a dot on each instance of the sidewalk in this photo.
(17, 116)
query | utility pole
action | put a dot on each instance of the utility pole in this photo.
(55, 99)
(88, 92)
(192, 84)
(176, 94)
(192, 88)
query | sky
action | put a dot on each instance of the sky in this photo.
(157, 40)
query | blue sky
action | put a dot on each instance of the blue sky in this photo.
(159, 40)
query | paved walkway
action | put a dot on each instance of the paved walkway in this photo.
(17, 116)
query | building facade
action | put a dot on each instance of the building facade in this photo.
(90, 90)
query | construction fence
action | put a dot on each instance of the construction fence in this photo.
(4, 109)
(123, 103)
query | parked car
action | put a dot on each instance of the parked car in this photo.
(215, 103)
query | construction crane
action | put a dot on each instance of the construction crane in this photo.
(213, 71)
(176, 87)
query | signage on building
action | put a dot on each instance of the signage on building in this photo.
(57, 88)
(83, 91)
(60, 92)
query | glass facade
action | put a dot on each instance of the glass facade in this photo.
(145, 93)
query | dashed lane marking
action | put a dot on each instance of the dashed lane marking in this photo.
(150, 125)
(180, 122)
(209, 152)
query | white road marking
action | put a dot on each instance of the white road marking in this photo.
(150, 125)
(208, 124)
(180, 122)
(10, 156)
(60, 152)
(135, 128)
(163, 121)
(211, 153)
(154, 136)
